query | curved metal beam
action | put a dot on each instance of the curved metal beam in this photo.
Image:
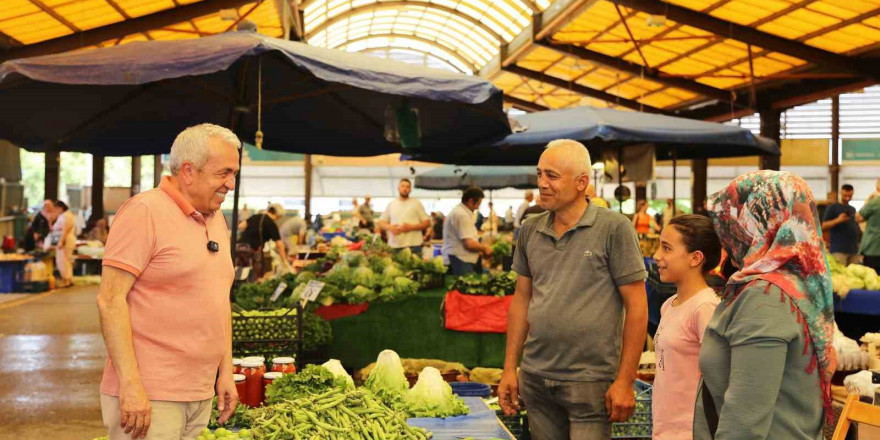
(445, 49)
(402, 4)
(418, 51)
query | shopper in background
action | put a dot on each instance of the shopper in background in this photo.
(874, 194)
(461, 245)
(244, 213)
(263, 228)
(405, 220)
(592, 198)
(293, 231)
(689, 250)
(870, 213)
(508, 218)
(767, 356)
(164, 297)
(99, 231)
(364, 215)
(669, 213)
(843, 229)
(529, 196)
(64, 240)
(642, 221)
(579, 268)
(532, 211)
(493, 220)
(39, 227)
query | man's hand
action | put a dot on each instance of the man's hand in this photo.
(843, 217)
(620, 402)
(227, 398)
(397, 229)
(487, 251)
(135, 410)
(508, 393)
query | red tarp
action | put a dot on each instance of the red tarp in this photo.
(477, 313)
(337, 311)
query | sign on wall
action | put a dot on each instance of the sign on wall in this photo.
(860, 150)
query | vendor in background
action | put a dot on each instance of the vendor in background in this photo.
(64, 239)
(643, 222)
(517, 221)
(460, 237)
(508, 219)
(493, 220)
(870, 248)
(99, 231)
(689, 250)
(405, 220)
(364, 215)
(293, 231)
(263, 228)
(592, 198)
(767, 356)
(840, 221)
(40, 226)
(579, 315)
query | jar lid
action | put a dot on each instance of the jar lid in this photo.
(282, 360)
(272, 375)
(251, 363)
(255, 358)
(239, 377)
(236, 361)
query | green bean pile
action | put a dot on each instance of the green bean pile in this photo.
(334, 415)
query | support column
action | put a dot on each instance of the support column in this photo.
(135, 175)
(771, 128)
(157, 170)
(308, 177)
(97, 189)
(641, 191)
(52, 170)
(834, 168)
(699, 180)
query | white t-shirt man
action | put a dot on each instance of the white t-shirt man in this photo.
(399, 212)
(517, 221)
(457, 227)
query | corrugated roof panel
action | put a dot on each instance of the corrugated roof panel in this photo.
(137, 8)
(846, 39)
(628, 90)
(17, 8)
(539, 59)
(568, 69)
(89, 14)
(659, 100)
(33, 28)
(722, 83)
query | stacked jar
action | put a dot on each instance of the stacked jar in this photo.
(253, 370)
(268, 378)
(283, 365)
(236, 366)
(240, 386)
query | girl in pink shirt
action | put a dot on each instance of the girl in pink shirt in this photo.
(689, 249)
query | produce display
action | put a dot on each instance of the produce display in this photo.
(335, 414)
(223, 433)
(258, 332)
(414, 367)
(239, 419)
(311, 380)
(496, 284)
(854, 276)
(430, 397)
(500, 249)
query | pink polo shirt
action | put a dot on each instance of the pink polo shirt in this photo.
(179, 303)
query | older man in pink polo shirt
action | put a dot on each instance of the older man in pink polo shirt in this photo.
(164, 298)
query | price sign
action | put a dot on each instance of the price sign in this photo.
(278, 291)
(312, 290)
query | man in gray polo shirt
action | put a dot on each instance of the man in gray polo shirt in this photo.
(579, 268)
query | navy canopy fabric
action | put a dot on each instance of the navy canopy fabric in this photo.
(485, 177)
(599, 129)
(133, 99)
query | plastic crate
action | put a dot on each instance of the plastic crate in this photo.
(639, 425)
(289, 327)
(517, 424)
(10, 273)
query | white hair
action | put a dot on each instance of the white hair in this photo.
(577, 154)
(191, 145)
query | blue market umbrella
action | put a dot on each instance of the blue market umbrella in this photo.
(486, 177)
(134, 99)
(601, 129)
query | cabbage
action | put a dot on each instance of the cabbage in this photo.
(855, 283)
(392, 272)
(437, 265)
(354, 258)
(432, 397)
(305, 277)
(388, 378)
(364, 276)
(361, 294)
(343, 380)
(403, 256)
(873, 283)
(840, 285)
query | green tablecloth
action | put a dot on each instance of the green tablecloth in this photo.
(413, 328)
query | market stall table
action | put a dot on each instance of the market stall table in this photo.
(481, 424)
(858, 313)
(412, 327)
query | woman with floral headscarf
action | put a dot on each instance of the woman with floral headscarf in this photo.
(766, 357)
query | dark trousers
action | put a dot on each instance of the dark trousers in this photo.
(565, 410)
(458, 267)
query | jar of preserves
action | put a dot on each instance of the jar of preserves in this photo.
(259, 359)
(253, 383)
(268, 378)
(236, 366)
(283, 365)
(240, 385)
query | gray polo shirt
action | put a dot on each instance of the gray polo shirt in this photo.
(576, 312)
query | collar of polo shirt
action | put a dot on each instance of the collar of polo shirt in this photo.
(188, 210)
(587, 220)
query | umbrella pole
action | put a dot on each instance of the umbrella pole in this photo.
(620, 177)
(235, 126)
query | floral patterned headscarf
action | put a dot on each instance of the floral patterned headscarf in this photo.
(767, 221)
